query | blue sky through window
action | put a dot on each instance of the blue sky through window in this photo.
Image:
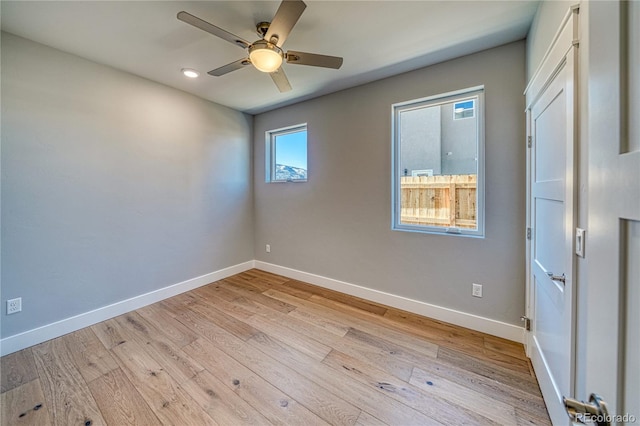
(464, 105)
(291, 149)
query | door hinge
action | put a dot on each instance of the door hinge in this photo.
(528, 233)
(527, 322)
(529, 141)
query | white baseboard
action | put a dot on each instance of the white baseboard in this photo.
(41, 334)
(50, 331)
(474, 322)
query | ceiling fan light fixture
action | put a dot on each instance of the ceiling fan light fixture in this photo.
(189, 72)
(265, 56)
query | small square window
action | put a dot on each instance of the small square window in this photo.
(465, 109)
(286, 154)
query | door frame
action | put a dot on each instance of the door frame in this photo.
(564, 45)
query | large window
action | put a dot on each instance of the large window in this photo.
(286, 154)
(438, 164)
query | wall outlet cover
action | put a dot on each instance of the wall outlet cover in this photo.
(476, 290)
(14, 305)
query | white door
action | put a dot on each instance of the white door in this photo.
(551, 306)
(612, 337)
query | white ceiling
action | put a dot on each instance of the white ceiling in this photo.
(376, 38)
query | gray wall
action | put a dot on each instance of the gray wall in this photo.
(112, 185)
(459, 144)
(338, 223)
(420, 145)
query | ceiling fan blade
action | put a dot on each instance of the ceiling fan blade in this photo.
(212, 29)
(281, 80)
(229, 67)
(286, 17)
(314, 60)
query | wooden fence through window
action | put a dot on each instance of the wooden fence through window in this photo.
(448, 201)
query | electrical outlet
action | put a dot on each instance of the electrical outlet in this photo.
(14, 305)
(268, 248)
(477, 290)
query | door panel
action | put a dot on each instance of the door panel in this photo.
(631, 248)
(611, 335)
(633, 63)
(550, 103)
(550, 333)
(551, 216)
(551, 133)
(549, 238)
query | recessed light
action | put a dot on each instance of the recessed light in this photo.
(191, 73)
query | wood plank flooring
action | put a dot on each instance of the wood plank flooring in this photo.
(259, 348)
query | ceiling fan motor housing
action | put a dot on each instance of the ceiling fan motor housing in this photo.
(262, 28)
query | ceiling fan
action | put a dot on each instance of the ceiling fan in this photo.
(266, 54)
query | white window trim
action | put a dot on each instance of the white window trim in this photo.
(477, 91)
(270, 152)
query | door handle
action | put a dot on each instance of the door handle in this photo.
(594, 411)
(560, 278)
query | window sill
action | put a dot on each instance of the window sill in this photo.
(287, 181)
(431, 231)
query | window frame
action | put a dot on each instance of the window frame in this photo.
(476, 92)
(270, 152)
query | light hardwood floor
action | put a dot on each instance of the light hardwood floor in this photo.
(258, 348)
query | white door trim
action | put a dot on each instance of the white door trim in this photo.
(566, 38)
